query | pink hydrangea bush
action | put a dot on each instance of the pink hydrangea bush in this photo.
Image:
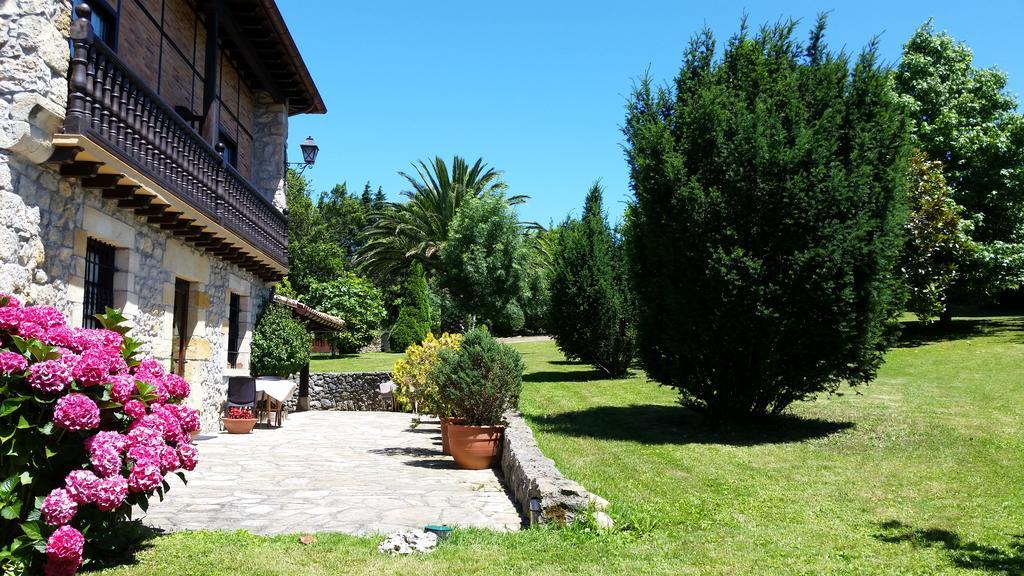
(88, 431)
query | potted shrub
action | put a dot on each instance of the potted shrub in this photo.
(239, 420)
(415, 390)
(477, 383)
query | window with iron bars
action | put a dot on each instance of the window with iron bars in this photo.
(99, 281)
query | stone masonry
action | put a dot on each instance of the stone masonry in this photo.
(345, 391)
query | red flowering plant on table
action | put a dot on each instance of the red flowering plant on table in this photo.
(239, 413)
(87, 431)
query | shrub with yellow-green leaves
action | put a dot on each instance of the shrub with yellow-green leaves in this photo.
(414, 390)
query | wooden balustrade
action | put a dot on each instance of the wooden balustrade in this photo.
(109, 104)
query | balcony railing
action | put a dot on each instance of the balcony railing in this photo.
(112, 106)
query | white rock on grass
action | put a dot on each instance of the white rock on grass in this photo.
(408, 542)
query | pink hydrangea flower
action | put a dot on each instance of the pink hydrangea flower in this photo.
(9, 301)
(145, 477)
(169, 461)
(61, 567)
(149, 371)
(45, 316)
(59, 336)
(29, 330)
(107, 439)
(50, 375)
(89, 338)
(166, 418)
(135, 409)
(143, 435)
(12, 363)
(10, 317)
(145, 455)
(59, 507)
(122, 386)
(76, 412)
(95, 365)
(188, 416)
(189, 456)
(65, 544)
(81, 486)
(111, 492)
(177, 387)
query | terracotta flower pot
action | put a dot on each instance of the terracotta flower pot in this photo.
(475, 447)
(445, 444)
(238, 425)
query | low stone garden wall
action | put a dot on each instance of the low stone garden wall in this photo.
(344, 391)
(543, 494)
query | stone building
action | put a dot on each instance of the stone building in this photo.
(142, 162)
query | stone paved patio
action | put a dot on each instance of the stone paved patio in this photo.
(353, 472)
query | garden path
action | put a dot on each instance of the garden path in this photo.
(352, 472)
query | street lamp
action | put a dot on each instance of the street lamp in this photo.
(309, 152)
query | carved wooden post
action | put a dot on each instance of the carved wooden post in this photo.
(218, 192)
(81, 37)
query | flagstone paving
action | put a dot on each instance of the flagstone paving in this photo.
(353, 472)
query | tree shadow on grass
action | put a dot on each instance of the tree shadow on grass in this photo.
(661, 424)
(573, 376)
(122, 547)
(915, 333)
(962, 553)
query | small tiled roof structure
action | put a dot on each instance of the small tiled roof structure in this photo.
(316, 320)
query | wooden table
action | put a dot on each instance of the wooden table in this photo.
(277, 389)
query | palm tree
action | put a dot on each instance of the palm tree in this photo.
(418, 228)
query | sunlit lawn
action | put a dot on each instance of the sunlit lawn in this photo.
(918, 473)
(368, 362)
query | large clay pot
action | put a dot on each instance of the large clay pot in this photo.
(445, 444)
(238, 425)
(475, 447)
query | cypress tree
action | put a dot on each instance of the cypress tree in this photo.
(413, 322)
(591, 310)
(769, 200)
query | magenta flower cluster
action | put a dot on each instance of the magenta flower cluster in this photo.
(125, 415)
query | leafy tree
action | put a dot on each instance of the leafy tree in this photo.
(414, 317)
(280, 343)
(356, 301)
(935, 241)
(312, 255)
(344, 217)
(418, 228)
(769, 201)
(479, 381)
(483, 261)
(591, 314)
(965, 118)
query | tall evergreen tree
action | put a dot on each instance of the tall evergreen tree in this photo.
(414, 320)
(769, 201)
(591, 310)
(367, 197)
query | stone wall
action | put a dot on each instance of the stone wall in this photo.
(345, 391)
(542, 493)
(270, 135)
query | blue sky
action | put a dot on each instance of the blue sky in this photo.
(538, 88)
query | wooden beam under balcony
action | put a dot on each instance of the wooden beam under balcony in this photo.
(63, 155)
(151, 210)
(120, 192)
(168, 217)
(79, 169)
(179, 224)
(138, 201)
(101, 181)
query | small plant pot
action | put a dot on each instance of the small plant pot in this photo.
(238, 425)
(475, 447)
(445, 444)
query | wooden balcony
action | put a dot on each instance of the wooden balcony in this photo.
(120, 137)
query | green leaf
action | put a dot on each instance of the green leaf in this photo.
(181, 475)
(11, 512)
(7, 486)
(46, 429)
(33, 530)
(11, 404)
(20, 343)
(144, 505)
(8, 432)
(23, 422)
(26, 478)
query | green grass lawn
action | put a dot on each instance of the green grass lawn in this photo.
(367, 362)
(918, 473)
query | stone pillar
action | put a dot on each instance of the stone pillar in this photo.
(270, 140)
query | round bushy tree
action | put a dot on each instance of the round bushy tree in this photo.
(482, 262)
(769, 200)
(280, 343)
(356, 301)
(414, 316)
(591, 313)
(479, 381)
